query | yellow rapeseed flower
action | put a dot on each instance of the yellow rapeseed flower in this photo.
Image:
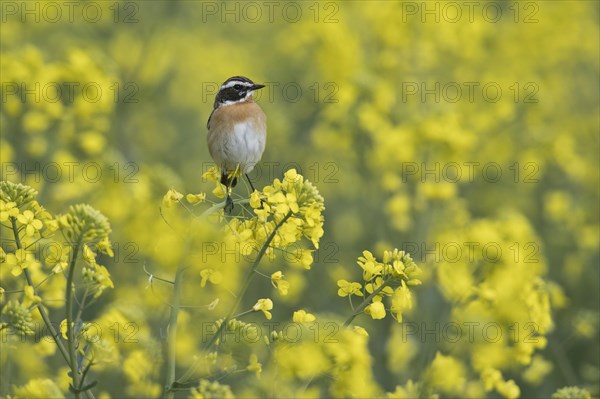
(301, 316)
(8, 209)
(212, 275)
(30, 298)
(171, 198)
(371, 267)
(279, 283)
(349, 288)
(264, 305)
(196, 198)
(401, 301)
(254, 366)
(20, 261)
(376, 309)
(32, 225)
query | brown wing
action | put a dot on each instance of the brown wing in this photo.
(209, 118)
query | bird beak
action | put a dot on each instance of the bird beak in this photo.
(257, 86)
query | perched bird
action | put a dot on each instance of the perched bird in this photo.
(237, 132)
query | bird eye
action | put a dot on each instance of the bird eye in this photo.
(237, 87)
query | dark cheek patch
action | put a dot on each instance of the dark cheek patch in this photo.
(231, 94)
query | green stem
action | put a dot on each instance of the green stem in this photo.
(365, 303)
(82, 305)
(248, 279)
(237, 316)
(45, 317)
(172, 333)
(239, 297)
(153, 277)
(69, 317)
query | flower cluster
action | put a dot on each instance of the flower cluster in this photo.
(390, 277)
(236, 325)
(83, 228)
(211, 389)
(20, 261)
(484, 288)
(15, 195)
(319, 351)
(571, 393)
(18, 317)
(493, 379)
(293, 208)
(95, 276)
(86, 224)
(18, 205)
(39, 388)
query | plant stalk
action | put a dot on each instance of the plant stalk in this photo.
(365, 303)
(69, 317)
(248, 280)
(45, 317)
(66, 354)
(172, 333)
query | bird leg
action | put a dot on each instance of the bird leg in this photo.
(228, 204)
(250, 181)
(228, 183)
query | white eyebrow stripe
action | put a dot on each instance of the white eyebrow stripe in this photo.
(236, 82)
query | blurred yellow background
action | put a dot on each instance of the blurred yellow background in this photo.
(463, 132)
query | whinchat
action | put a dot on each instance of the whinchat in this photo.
(237, 132)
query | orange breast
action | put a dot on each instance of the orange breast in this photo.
(237, 135)
(225, 117)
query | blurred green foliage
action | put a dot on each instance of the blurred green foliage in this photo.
(470, 142)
